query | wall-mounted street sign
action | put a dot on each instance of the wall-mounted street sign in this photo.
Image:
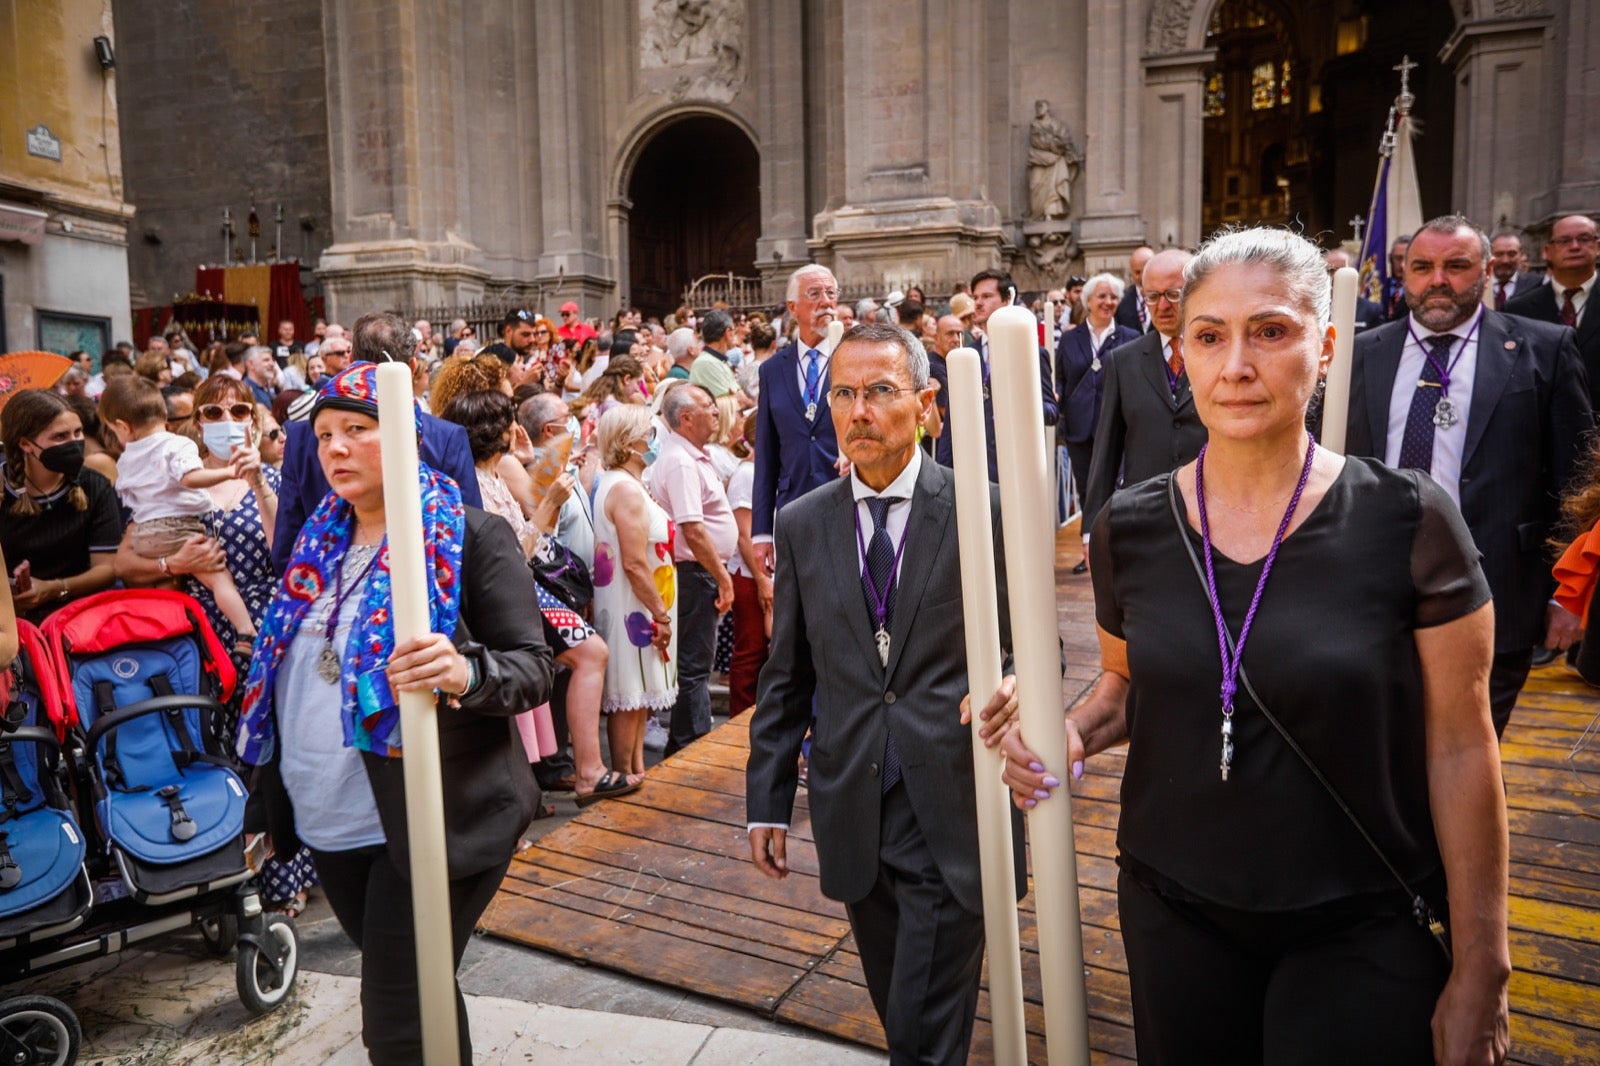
(43, 143)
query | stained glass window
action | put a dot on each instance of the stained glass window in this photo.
(1216, 96)
(1263, 90)
(1283, 85)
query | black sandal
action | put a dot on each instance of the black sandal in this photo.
(612, 784)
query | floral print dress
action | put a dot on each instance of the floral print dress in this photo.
(637, 675)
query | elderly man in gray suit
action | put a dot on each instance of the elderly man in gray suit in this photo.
(867, 621)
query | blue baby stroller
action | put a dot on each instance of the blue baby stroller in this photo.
(140, 679)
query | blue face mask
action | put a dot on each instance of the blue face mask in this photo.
(220, 438)
(651, 450)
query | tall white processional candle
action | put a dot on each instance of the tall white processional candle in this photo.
(975, 527)
(1336, 396)
(1035, 633)
(419, 721)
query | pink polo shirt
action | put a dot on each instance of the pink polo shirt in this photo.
(686, 485)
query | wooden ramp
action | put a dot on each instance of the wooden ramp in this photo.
(659, 884)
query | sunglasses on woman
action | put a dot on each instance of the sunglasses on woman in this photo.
(213, 412)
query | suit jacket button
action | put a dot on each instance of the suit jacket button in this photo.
(888, 697)
(874, 768)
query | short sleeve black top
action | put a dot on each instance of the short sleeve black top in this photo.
(57, 541)
(1332, 652)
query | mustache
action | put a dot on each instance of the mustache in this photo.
(863, 434)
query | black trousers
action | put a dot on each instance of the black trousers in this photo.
(1216, 985)
(373, 904)
(1079, 454)
(921, 950)
(1507, 675)
(697, 647)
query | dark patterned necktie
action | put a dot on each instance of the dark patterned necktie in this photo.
(1416, 444)
(1500, 296)
(879, 575)
(1569, 310)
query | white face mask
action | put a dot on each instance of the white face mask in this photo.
(222, 437)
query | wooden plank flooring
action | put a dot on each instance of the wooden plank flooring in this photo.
(659, 885)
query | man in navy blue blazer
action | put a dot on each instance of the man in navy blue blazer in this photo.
(796, 450)
(378, 338)
(992, 290)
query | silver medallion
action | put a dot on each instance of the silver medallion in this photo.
(1444, 414)
(882, 637)
(1094, 364)
(1227, 741)
(811, 412)
(328, 663)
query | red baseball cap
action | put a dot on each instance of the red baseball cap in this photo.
(570, 305)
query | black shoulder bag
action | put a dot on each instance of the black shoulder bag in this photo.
(1420, 910)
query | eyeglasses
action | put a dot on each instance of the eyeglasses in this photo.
(816, 294)
(1152, 297)
(274, 434)
(1583, 239)
(213, 412)
(878, 395)
(541, 333)
(325, 352)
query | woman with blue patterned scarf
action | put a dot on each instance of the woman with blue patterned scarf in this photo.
(322, 720)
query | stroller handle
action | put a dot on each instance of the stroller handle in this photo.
(33, 734)
(153, 705)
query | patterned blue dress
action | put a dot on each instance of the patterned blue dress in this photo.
(249, 557)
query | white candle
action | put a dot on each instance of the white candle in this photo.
(1035, 635)
(419, 726)
(1336, 398)
(835, 331)
(1050, 327)
(982, 616)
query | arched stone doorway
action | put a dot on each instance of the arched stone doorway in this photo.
(1295, 100)
(694, 198)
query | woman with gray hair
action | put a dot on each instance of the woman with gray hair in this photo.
(1081, 355)
(1296, 647)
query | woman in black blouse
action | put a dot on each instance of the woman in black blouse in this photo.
(59, 518)
(1259, 926)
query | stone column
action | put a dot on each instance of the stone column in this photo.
(1113, 223)
(1172, 122)
(778, 82)
(1501, 97)
(396, 214)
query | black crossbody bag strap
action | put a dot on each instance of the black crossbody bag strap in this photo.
(1420, 910)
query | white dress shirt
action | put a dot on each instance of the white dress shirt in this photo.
(825, 353)
(1448, 444)
(1580, 299)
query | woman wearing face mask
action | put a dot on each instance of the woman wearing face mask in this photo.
(635, 585)
(59, 522)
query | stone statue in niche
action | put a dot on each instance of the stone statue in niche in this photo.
(1052, 164)
(701, 40)
(1049, 253)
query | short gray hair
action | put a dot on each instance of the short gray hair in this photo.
(1450, 225)
(793, 290)
(1296, 260)
(884, 333)
(1118, 286)
(677, 402)
(538, 411)
(679, 341)
(866, 309)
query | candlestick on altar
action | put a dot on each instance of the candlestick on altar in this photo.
(1336, 394)
(419, 725)
(1035, 635)
(227, 236)
(975, 529)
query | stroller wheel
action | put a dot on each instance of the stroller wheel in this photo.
(266, 967)
(38, 1031)
(220, 933)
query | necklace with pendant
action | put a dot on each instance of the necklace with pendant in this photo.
(879, 600)
(1444, 412)
(328, 658)
(1234, 658)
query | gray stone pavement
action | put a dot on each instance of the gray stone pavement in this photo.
(174, 1003)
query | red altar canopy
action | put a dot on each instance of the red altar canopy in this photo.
(273, 288)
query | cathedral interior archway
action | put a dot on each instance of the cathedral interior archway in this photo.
(1295, 104)
(696, 209)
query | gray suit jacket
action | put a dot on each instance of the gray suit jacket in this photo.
(1527, 426)
(822, 648)
(1143, 431)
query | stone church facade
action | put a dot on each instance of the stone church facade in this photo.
(542, 150)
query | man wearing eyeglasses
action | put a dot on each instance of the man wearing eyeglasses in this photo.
(796, 450)
(1570, 253)
(867, 628)
(1148, 424)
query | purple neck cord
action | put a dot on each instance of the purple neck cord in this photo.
(1231, 662)
(1444, 371)
(880, 601)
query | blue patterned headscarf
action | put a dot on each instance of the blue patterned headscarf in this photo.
(371, 716)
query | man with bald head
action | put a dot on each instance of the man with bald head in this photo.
(796, 450)
(1148, 424)
(1134, 310)
(1369, 313)
(1570, 255)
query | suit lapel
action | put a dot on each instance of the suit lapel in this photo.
(789, 377)
(925, 532)
(1380, 363)
(1495, 361)
(845, 553)
(1155, 370)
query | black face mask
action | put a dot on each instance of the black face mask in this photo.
(65, 459)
